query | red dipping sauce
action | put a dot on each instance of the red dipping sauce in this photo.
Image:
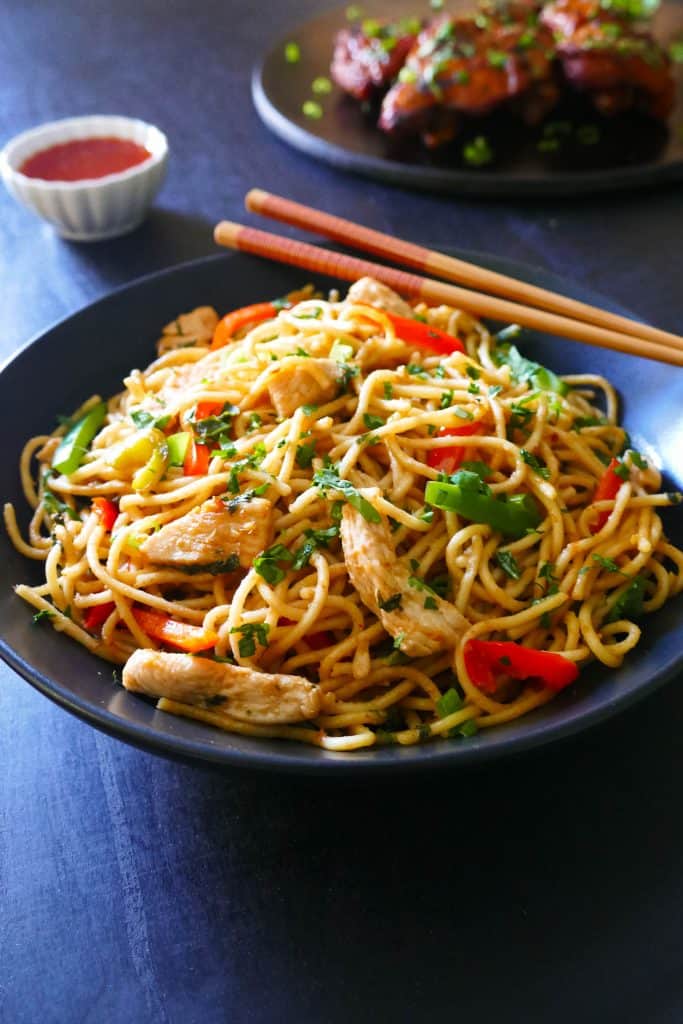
(84, 158)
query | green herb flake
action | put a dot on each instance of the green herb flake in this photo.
(321, 86)
(372, 422)
(292, 53)
(407, 75)
(478, 152)
(508, 563)
(42, 615)
(329, 479)
(229, 564)
(312, 110)
(305, 454)
(391, 603)
(388, 390)
(535, 464)
(314, 539)
(268, 564)
(496, 58)
(251, 634)
(629, 605)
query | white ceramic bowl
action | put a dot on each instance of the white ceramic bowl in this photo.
(94, 208)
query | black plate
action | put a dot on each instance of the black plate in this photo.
(631, 150)
(92, 350)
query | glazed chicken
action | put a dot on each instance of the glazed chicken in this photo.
(464, 67)
(518, 55)
(620, 66)
(367, 57)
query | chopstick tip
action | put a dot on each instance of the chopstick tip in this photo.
(255, 199)
(226, 233)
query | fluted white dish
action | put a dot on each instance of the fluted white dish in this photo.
(93, 208)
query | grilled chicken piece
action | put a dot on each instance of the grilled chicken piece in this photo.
(620, 67)
(244, 693)
(381, 578)
(470, 66)
(564, 17)
(368, 57)
(195, 328)
(369, 292)
(212, 533)
(612, 59)
(304, 381)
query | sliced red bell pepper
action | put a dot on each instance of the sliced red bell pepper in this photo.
(415, 332)
(484, 659)
(318, 641)
(174, 633)
(206, 409)
(448, 459)
(106, 511)
(607, 489)
(196, 460)
(231, 323)
(95, 616)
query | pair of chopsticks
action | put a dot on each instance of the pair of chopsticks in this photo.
(508, 300)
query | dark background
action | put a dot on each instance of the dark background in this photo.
(543, 889)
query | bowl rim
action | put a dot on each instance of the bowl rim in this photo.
(124, 123)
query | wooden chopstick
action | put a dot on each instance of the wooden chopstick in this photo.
(349, 268)
(432, 263)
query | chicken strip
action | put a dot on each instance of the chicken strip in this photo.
(368, 57)
(304, 381)
(194, 328)
(213, 532)
(381, 579)
(373, 293)
(244, 693)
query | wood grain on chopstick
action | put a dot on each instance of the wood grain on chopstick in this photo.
(430, 262)
(349, 268)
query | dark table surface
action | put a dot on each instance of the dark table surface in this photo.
(549, 888)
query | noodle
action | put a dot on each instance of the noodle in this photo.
(320, 429)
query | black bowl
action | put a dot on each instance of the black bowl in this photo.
(91, 352)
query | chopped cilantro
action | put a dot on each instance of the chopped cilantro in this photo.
(630, 603)
(329, 479)
(252, 633)
(508, 563)
(535, 463)
(391, 603)
(305, 454)
(41, 615)
(314, 539)
(229, 564)
(388, 390)
(372, 422)
(254, 421)
(267, 564)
